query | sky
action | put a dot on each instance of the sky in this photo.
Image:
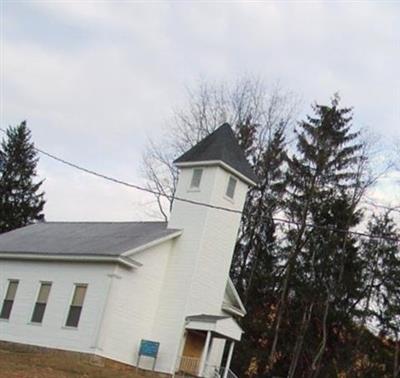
(95, 79)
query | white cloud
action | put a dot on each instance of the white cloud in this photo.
(94, 77)
(387, 190)
(73, 195)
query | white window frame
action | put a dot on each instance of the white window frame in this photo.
(36, 301)
(71, 297)
(191, 186)
(10, 280)
(230, 179)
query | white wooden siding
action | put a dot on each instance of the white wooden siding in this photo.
(52, 332)
(199, 263)
(131, 310)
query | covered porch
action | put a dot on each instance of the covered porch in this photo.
(208, 346)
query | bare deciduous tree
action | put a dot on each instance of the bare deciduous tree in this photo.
(208, 106)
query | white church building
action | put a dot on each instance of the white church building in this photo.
(120, 289)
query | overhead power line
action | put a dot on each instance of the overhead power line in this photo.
(371, 202)
(198, 203)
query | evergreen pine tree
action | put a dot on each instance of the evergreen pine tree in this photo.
(21, 201)
(321, 178)
(381, 277)
(255, 258)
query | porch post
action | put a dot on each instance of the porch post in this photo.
(204, 354)
(228, 361)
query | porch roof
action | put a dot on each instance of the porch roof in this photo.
(224, 326)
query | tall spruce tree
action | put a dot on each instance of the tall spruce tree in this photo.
(321, 178)
(381, 273)
(254, 266)
(21, 201)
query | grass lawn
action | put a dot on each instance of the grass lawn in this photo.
(18, 361)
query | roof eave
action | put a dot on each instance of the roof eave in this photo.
(233, 310)
(152, 243)
(70, 258)
(220, 163)
(236, 295)
(217, 327)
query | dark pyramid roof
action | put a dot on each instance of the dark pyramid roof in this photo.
(221, 145)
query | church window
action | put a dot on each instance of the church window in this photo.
(230, 190)
(196, 178)
(9, 299)
(76, 305)
(41, 302)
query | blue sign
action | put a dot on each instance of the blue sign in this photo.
(149, 348)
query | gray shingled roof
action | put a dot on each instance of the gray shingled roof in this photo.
(220, 145)
(83, 238)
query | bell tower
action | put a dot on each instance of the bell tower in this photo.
(215, 173)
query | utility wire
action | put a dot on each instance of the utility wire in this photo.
(198, 203)
(373, 203)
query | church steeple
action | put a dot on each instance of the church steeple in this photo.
(219, 148)
(215, 172)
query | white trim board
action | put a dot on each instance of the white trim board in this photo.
(218, 163)
(77, 258)
(152, 243)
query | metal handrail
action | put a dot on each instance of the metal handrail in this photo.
(212, 371)
(230, 374)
